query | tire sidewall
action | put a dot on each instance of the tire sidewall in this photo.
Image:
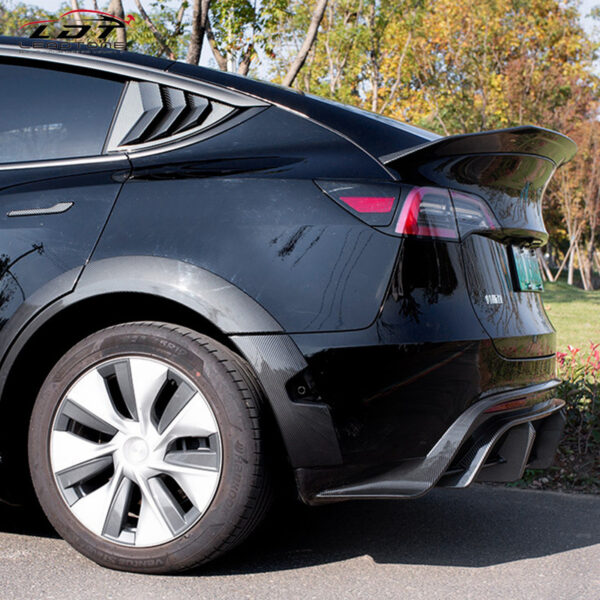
(239, 446)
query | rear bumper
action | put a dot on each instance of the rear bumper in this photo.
(392, 401)
(482, 444)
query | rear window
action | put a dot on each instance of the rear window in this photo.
(49, 114)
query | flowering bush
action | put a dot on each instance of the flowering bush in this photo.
(577, 465)
(580, 388)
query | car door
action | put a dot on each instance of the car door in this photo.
(56, 187)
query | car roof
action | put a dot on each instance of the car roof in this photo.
(374, 133)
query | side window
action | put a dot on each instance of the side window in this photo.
(48, 114)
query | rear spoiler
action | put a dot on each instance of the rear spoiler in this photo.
(508, 169)
(528, 139)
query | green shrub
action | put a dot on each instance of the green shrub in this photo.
(580, 388)
(577, 464)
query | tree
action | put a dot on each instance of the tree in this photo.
(237, 30)
(116, 8)
(12, 16)
(199, 22)
(162, 30)
(309, 40)
(344, 60)
(578, 192)
(335, 60)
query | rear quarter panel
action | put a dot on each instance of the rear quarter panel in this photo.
(244, 206)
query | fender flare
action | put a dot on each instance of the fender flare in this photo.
(306, 427)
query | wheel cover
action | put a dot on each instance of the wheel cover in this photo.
(135, 450)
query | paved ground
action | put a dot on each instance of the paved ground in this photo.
(479, 543)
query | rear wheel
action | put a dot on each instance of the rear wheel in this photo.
(145, 448)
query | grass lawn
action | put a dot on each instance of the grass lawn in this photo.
(574, 313)
(576, 317)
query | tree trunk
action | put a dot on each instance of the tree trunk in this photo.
(199, 19)
(566, 257)
(571, 269)
(589, 267)
(596, 259)
(309, 40)
(116, 8)
(375, 86)
(589, 258)
(582, 270)
(244, 65)
(219, 58)
(76, 16)
(155, 32)
(545, 268)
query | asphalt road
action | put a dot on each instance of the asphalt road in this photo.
(482, 543)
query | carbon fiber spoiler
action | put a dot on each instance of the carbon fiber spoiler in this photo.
(528, 139)
(508, 168)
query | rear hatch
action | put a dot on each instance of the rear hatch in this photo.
(496, 181)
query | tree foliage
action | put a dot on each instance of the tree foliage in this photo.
(13, 15)
(170, 22)
(241, 29)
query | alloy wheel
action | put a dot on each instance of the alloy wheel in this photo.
(135, 450)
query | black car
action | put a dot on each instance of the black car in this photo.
(210, 283)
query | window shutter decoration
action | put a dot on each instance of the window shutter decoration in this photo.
(149, 112)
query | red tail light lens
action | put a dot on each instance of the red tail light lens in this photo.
(427, 212)
(369, 204)
(373, 203)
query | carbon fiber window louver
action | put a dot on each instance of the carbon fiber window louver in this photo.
(149, 113)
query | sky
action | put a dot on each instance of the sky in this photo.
(586, 6)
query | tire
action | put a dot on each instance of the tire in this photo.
(146, 450)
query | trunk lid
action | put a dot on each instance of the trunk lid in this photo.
(509, 170)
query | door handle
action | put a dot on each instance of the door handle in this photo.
(59, 207)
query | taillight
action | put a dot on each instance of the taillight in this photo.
(427, 212)
(424, 211)
(372, 203)
(444, 214)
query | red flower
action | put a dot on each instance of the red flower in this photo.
(560, 357)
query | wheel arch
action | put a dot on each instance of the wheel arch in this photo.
(113, 291)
